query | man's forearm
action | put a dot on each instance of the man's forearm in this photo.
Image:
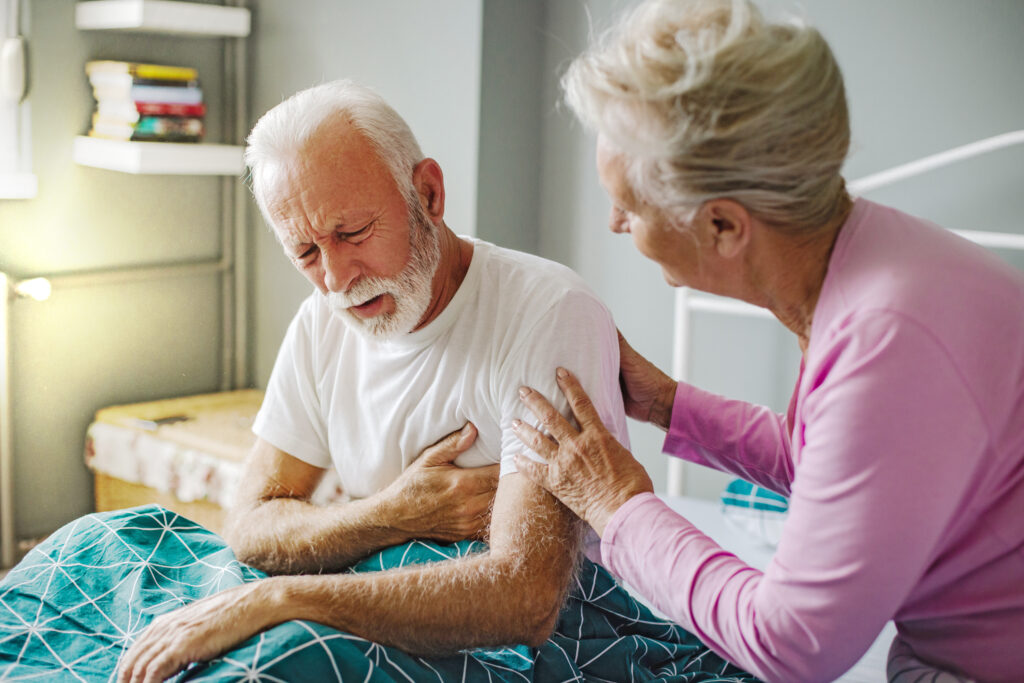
(292, 536)
(433, 610)
(272, 525)
(508, 595)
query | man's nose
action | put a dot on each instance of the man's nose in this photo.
(340, 269)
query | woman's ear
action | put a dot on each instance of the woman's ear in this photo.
(429, 183)
(728, 224)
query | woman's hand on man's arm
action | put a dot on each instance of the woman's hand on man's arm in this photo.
(647, 392)
(587, 469)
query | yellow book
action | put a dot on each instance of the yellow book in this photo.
(145, 71)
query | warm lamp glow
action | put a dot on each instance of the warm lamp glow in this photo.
(37, 288)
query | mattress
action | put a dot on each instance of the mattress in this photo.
(184, 453)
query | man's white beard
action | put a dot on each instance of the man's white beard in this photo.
(411, 289)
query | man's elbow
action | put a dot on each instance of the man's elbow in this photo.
(542, 625)
(538, 604)
(267, 560)
(241, 545)
(244, 544)
(245, 552)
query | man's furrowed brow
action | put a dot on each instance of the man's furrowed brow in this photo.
(355, 218)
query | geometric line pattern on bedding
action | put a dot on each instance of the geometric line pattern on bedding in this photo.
(79, 599)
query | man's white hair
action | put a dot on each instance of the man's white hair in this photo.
(282, 132)
(705, 99)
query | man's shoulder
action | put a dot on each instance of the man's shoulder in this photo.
(519, 293)
(521, 273)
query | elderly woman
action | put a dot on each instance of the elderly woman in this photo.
(720, 142)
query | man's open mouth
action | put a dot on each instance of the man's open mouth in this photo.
(370, 307)
(369, 302)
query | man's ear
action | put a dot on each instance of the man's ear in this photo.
(429, 183)
(728, 224)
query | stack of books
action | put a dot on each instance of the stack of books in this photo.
(150, 102)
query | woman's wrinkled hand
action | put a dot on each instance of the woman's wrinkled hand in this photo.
(647, 392)
(586, 468)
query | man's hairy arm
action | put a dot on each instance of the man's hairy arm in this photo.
(510, 594)
(273, 526)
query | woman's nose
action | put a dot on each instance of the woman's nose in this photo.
(617, 222)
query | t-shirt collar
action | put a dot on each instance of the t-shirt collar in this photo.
(443, 322)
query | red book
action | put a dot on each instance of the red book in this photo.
(131, 112)
(170, 109)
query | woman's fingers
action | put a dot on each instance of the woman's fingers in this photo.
(579, 402)
(588, 470)
(547, 416)
(532, 437)
(536, 472)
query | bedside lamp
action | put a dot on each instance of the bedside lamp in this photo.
(37, 288)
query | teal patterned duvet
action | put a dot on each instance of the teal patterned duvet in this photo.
(79, 599)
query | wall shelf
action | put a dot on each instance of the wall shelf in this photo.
(230, 20)
(173, 158)
(163, 16)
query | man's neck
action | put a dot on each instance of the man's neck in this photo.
(456, 255)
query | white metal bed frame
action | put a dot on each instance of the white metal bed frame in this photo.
(688, 301)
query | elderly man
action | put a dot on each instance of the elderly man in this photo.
(413, 333)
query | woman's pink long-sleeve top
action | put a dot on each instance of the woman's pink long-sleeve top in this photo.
(902, 454)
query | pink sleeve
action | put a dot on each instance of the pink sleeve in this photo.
(749, 441)
(891, 439)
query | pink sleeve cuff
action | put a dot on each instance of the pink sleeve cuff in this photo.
(621, 517)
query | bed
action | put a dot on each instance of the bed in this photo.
(79, 599)
(752, 542)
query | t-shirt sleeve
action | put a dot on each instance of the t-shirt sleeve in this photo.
(290, 418)
(891, 438)
(576, 333)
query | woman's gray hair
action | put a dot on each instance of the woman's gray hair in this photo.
(705, 99)
(282, 132)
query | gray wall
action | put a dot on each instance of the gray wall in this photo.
(423, 57)
(89, 347)
(511, 102)
(922, 76)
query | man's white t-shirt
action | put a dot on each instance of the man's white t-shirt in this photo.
(369, 408)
